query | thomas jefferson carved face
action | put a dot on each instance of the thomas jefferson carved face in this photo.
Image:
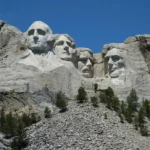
(85, 63)
(64, 47)
(115, 62)
(38, 36)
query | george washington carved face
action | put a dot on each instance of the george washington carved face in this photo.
(38, 36)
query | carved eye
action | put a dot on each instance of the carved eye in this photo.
(69, 44)
(115, 58)
(41, 32)
(31, 32)
(83, 61)
(60, 43)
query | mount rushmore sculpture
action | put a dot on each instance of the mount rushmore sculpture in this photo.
(31, 60)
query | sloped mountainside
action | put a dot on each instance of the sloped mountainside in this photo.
(85, 127)
(31, 73)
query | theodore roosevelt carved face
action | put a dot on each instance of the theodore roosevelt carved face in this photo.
(38, 36)
(85, 62)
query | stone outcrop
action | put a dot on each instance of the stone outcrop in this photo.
(35, 65)
(27, 66)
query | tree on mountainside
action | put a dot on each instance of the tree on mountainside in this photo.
(132, 101)
(82, 95)
(61, 101)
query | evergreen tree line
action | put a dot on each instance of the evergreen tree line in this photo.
(14, 126)
(130, 110)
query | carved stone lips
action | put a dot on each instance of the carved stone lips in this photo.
(86, 70)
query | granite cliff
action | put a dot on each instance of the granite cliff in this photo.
(36, 64)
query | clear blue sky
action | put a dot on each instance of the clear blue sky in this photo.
(92, 23)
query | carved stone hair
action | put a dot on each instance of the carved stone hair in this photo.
(56, 37)
(82, 49)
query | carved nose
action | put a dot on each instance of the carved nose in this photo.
(66, 48)
(110, 62)
(35, 38)
(88, 63)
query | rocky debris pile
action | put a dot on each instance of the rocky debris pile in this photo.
(85, 127)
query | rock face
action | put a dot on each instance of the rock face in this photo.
(36, 64)
(27, 63)
(125, 68)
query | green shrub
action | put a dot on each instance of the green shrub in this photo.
(61, 101)
(144, 130)
(47, 112)
(94, 101)
(26, 119)
(103, 97)
(82, 95)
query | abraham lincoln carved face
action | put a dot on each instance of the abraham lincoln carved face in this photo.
(116, 62)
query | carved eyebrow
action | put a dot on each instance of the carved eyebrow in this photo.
(31, 32)
(59, 43)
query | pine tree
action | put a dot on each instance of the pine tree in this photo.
(146, 106)
(141, 116)
(2, 119)
(132, 101)
(128, 115)
(109, 92)
(19, 140)
(115, 103)
(94, 101)
(61, 101)
(82, 95)
(33, 118)
(136, 122)
(123, 107)
(10, 125)
(47, 112)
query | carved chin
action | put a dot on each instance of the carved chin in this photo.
(66, 57)
(115, 74)
(87, 75)
(38, 47)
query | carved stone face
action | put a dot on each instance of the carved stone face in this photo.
(64, 48)
(85, 63)
(115, 63)
(38, 36)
